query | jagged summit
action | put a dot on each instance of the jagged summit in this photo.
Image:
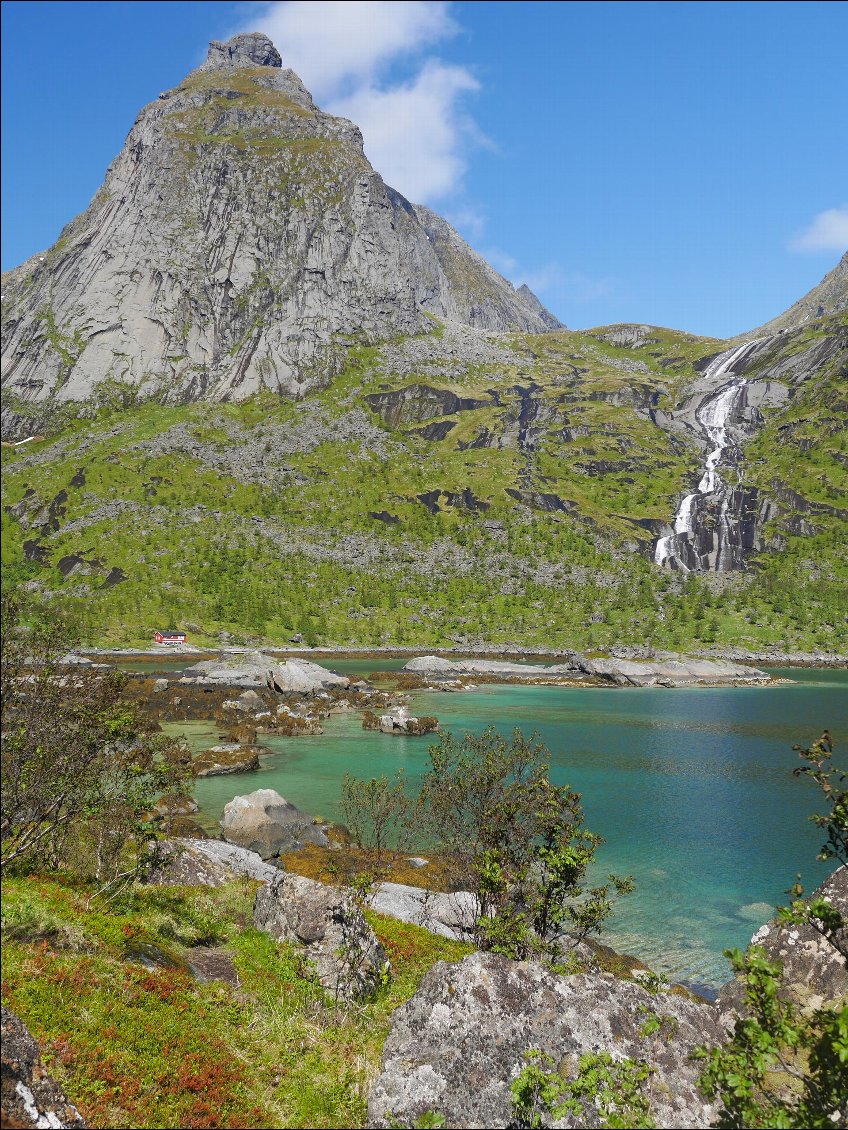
(240, 240)
(252, 47)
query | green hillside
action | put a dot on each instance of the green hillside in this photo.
(434, 495)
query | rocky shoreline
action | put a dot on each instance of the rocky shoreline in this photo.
(744, 656)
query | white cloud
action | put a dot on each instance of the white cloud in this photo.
(414, 133)
(335, 44)
(348, 53)
(828, 231)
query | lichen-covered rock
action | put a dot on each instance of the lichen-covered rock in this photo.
(349, 960)
(450, 915)
(205, 862)
(265, 822)
(815, 974)
(30, 1097)
(456, 1046)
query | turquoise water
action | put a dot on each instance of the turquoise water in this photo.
(692, 790)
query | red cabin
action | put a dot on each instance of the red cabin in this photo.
(170, 637)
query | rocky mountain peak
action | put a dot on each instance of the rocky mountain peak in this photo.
(241, 240)
(251, 47)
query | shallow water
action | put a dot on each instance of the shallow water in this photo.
(692, 790)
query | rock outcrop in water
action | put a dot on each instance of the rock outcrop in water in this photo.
(241, 240)
(680, 671)
(254, 669)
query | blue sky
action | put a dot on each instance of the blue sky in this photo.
(683, 164)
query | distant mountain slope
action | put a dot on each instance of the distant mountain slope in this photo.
(829, 297)
(452, 488)
(241, 240)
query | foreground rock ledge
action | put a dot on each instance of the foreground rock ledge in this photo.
(456, 1046)
(30, 1096)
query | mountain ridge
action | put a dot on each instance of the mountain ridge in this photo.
(830, 296)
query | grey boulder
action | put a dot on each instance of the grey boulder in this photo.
(265, 822)
(456, 1046)
(206, 863)
(450, 915)
(348, 959)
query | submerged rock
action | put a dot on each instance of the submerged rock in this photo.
(457, 1045)
(349, 960)
(265, 822)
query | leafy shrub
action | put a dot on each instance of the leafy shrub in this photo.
(79, 769)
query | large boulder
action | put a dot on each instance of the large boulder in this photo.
(815, 974)
(265, 822)
(252, 669)
(451, 915)
(207, 863)
(456, 1046)
(30, 1097)
(348, 959)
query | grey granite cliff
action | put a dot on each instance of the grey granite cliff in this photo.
(240, 240)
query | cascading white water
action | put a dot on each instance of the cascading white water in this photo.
(713, 415)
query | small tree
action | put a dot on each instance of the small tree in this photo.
(79, 768)
(378, 815)
(517, 841)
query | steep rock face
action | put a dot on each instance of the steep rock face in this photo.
(240, 240)
(720, 518)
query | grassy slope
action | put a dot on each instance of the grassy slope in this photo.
(286, 542)
(144, 1048)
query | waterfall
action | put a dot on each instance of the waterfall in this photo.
(679, 550)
